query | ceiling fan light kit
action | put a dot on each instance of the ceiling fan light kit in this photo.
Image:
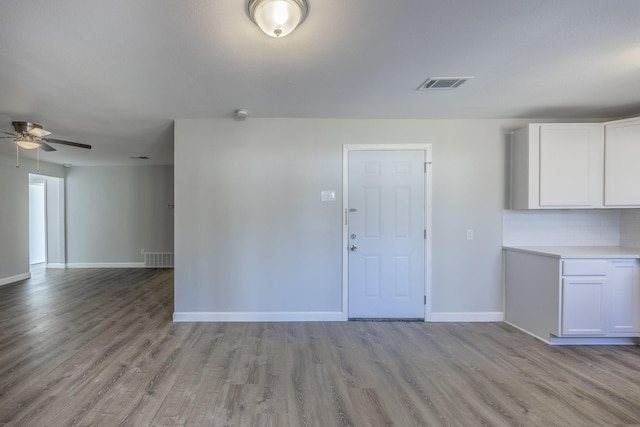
(27, 142)
(277, 18)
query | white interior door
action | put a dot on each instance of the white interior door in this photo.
(386, 234)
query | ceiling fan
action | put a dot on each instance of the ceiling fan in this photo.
(31, 136)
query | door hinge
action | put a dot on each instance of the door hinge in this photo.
(425, 234)
(425, 167)
(425, 300)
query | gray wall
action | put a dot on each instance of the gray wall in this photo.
(253, 236)
(113, 212)
(14, 213)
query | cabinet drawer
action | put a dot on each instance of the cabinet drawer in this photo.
(584, 268)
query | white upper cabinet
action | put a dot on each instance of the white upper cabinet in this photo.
(557, 166)
(570, 165)
(622, 163)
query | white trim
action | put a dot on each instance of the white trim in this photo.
(479, 316)
(106, 265)
(427, 148)
(293, 316)
(16, 278)
(593, 341)
(553, 340)
(428, 206)
(56, 265)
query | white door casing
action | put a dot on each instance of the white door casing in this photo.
(37, 223)
(387, 188)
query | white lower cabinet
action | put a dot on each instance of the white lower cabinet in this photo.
(584, 289)
(623, 298)
(600, 298)
(583, 306)
(566, 298)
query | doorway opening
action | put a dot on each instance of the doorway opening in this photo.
(37, 222)
(46, 222)
(387, 231)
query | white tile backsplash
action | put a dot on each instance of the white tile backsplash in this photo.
(567, 228)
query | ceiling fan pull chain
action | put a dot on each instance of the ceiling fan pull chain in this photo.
(17, 156)
(38, 159)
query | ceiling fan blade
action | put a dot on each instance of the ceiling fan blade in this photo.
(72, 144)
(8, 133)
(46, 147)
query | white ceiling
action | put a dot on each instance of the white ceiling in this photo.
(116, 73)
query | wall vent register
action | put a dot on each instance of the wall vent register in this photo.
(439, 83)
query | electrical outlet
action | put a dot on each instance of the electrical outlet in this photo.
(469, 233)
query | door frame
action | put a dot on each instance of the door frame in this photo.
(37, 180)
(55, 235)
(346, 148)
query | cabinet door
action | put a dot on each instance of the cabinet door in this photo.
(571, 165)
(623, 298)
(622, 156)
(583, 306)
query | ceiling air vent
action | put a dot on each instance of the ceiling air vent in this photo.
(438, 83)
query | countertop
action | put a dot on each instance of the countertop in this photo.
(579, 251)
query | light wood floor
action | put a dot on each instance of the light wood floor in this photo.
(97, 347)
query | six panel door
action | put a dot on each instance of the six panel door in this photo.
(386, 234)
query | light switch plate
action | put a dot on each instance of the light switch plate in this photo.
(327, 195)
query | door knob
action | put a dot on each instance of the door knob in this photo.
(353, 248)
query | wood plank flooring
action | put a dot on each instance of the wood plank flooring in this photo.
(98, 347)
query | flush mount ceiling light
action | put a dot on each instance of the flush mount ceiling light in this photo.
(277, 18)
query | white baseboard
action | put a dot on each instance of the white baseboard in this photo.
(593, 341)
(330, 316)
(105, 265)
(15, 278)
(553, 340)
(480, 316)
(56, 265)
(294, 316)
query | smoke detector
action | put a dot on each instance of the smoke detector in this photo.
(439, 83)
(240, 114)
